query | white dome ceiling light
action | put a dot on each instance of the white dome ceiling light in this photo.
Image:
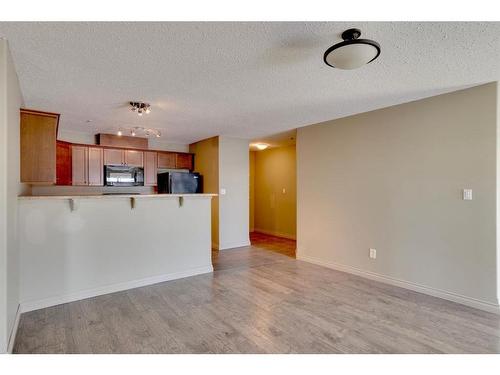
(261, 146)
(353, 52)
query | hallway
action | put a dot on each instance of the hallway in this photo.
(280, 245)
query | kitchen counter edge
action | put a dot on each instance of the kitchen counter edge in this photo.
(115, 196)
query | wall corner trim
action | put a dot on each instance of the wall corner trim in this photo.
(275, 233)
(450, 296)
(234, 245)
(13, 333)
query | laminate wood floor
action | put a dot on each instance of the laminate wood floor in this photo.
(259, 301)
(280, 245)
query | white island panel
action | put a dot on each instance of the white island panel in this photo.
(103, 245)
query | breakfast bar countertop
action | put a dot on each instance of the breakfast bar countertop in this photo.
(115, 196)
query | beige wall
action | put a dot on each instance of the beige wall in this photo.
(498, 188)
(10, 102)
(234, 205)
(74, 136)
(224, 164)
(206, 162)
(3, 198)
(275, 210)
(251, 176)
(391, 179)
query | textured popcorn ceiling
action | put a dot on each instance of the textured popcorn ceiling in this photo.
(246, 80)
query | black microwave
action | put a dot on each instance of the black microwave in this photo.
(120, 175)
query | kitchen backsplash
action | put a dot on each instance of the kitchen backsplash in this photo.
(88, 190)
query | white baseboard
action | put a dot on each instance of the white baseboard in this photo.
(13, 333)
(53, 301)
(450, 296)
(234, 245)
(274, 233)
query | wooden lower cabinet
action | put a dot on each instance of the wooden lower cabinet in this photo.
(79, 155)
(95, 166)
(150, 168)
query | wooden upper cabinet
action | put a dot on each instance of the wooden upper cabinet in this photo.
(174, 160)
(150, 168)
(134, 158)
(184, 161)
(122, 141)
(79, 155)
(95, 166)
(63, 163)
(166, 160)
(38, 132)
(114, 156)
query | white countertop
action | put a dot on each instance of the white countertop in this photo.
(115, 196)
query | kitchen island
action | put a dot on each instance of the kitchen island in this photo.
(76, 247)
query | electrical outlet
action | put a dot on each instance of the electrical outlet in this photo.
(373, 253)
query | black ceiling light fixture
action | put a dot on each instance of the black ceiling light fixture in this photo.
(353, 52)
(140, 107)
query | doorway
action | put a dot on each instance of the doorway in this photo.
(273, 194)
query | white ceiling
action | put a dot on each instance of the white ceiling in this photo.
(282, 139)
(245, 80)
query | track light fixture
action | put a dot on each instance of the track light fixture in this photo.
(140, 131)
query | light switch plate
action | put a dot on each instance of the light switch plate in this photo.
(373, 253)
(467, 194)
(222, 191)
